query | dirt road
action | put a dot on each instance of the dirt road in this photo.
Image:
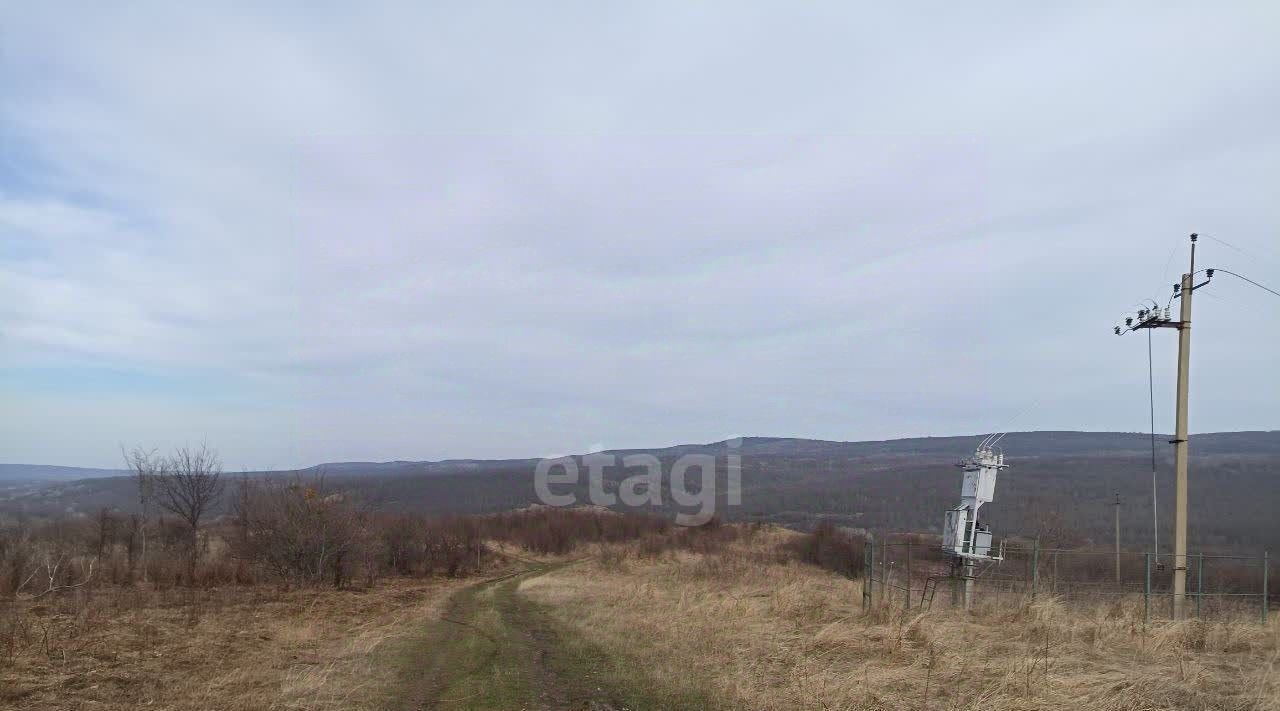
(495, 649)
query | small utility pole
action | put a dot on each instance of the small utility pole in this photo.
(1117, 505)
(1158, 318)
(1180, 436)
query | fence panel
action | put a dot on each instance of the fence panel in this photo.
(916, 574)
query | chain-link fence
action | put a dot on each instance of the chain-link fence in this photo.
(917, 574)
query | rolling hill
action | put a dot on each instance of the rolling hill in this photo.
(1060, 485)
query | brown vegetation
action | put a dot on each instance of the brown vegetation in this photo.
(251, 647)
(754, 628)
(297, 594)
(285, 607)
(554, 531)
(833, 548)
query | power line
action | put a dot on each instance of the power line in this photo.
(1269, 255)
(1225, 243)
(1238, 276)
(1147, 318)
(1164, 273)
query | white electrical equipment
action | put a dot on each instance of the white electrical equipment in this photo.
(962, 535)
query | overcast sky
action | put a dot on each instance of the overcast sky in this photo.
(306, 234)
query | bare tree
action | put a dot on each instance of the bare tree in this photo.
(189, 487)
(146, 466)
(132, 532)
(106, 530)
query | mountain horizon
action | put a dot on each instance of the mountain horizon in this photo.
(11, 471)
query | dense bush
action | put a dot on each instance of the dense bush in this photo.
(832, 548)
(548, 530)
(302, 532)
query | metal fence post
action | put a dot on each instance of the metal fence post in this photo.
(1146, 590)
(1035, 567)
(1264, 587)
(1026, 576)
(1199, 584)
(868, 571)
(906, 595)
(884, 572)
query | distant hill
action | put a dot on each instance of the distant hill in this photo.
(1060, 485)
(1016, 443)
(400, 468)
(47, 472)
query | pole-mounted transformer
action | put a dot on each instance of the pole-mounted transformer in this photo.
(964, 538)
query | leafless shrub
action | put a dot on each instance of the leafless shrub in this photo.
(16, 557)
(832, 548)
(55, 574)
(557, 531)
(298, 530)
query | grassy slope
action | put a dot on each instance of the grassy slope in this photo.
(750, 629)
(248, 648)
(403, 644)
(742, 627)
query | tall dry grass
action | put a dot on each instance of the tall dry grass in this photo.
(249, 648)
(757, 629)
(263, 621)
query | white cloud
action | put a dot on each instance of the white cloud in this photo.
(473, 231)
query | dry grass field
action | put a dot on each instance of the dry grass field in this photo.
(249, 648)
(748, 627)
(723, 618)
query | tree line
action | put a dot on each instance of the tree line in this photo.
(197, 526)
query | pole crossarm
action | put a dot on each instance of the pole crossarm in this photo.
(1147, 319)
(1157, 323)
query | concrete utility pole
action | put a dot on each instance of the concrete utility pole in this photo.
(1180, 449)
(1158, 318)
